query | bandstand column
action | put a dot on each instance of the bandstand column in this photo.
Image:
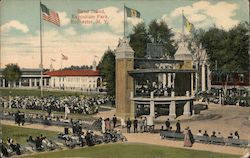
(133, 110)
(30, 82)
(164, 80)
(203, 77)
(172, 107)
(169, 80)
(208, 78)
(124, 60)
(40, 82)
(187, 109)
(45, 82)
(8, 84)
(19, 83)
(196, 77)
(35, 84)
(192, 84)
(152, 105)
(3, 82)
(173, 80)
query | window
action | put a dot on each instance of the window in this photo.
(230, 78)
(241, 78)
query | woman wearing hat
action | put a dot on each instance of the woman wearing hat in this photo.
(188, 138)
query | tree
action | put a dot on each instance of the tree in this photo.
(107, 69)
(228, 48)
(158, 32)
(12, 73)
(162, 34)
(239, 46)
(139, 40)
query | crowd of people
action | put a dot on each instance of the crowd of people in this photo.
(188, 136)
(219, 135)
(9, 146)
(71, 139)
(170, 128)
(41, 143)
(19, 118)
(86, 105)
(78, 137)
(158, 89)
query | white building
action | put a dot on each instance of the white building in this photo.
(85, 80)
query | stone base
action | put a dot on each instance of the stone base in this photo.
(125, 116)
(172, 116)
(187, 113)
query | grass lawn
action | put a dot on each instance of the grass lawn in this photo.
(37, 92)
(130, 151)
(118, 150)
(20, 134)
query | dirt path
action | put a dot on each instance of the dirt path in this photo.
(148, 138)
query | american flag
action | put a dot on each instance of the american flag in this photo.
(50, 15)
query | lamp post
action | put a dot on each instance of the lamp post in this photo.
(10, 93)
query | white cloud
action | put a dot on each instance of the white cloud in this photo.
(63, 18)
(70, 31)
(14, 24)
(113, 17)
(134, 21)
(197, 17)
(80, 49)
(205, 14)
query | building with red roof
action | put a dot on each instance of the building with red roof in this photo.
(86, 80)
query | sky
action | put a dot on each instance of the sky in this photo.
(100, 27)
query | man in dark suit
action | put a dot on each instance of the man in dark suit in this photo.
(178, 127)
(114, 120)
(128, 125)
(135, 125)
(167, 123)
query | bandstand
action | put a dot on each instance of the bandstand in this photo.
(153, 86)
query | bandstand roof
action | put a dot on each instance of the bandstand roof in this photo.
(144, 71)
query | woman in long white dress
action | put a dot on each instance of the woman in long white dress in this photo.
(188, 138)
(103, 126)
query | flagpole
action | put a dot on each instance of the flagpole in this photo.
(124, 21)
(182, 23)
(61, 61)
(41, 51)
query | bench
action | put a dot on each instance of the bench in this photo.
(171, 135)
(216, 140)
(236, 142)
(202, 139)
(206, 140)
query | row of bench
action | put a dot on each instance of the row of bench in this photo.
(206, 140)
(49, 122)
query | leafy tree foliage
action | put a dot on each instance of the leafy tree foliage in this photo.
(139, 40)
(162, 34)
(157, 32)
(12, 73)
(107, 69)
(228, 48)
